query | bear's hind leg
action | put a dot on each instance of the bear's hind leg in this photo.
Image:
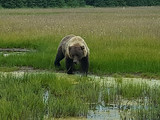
(59, 57)
(69, 65)
(85, 65)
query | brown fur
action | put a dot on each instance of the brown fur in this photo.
(75, 51)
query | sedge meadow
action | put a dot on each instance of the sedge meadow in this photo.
(122, 41)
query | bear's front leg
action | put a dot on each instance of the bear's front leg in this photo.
(69, 65)
(85, 65)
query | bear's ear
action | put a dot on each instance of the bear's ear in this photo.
(82, 47)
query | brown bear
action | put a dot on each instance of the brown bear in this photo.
(75, 51)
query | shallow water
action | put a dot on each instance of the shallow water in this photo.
(117, 109)
(121, 108)
(6, 54)
(14, 51)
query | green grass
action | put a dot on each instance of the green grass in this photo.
(22, 97)
(142, 101)
(120, 40)
(8, 69)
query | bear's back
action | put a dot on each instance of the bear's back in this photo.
(66, 39)
(64, 42)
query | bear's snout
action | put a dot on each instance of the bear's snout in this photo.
(75, 61)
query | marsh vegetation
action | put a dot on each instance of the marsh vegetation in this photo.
(44, 95)
(121, 41)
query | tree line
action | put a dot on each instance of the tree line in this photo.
(75, 3)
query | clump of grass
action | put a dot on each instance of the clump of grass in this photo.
(125, 90)
(150, 109)
(22, 97)
(19, 99)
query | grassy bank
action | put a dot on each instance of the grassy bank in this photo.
(121, 40)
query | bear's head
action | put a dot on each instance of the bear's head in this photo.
(76, 52)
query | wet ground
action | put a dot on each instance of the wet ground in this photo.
(117, 107)
(14, 51)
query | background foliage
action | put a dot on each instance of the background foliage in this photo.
(75, 3)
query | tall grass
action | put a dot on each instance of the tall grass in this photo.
(135, 100)
(121, 40)
(46, 95)
(22, 97)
